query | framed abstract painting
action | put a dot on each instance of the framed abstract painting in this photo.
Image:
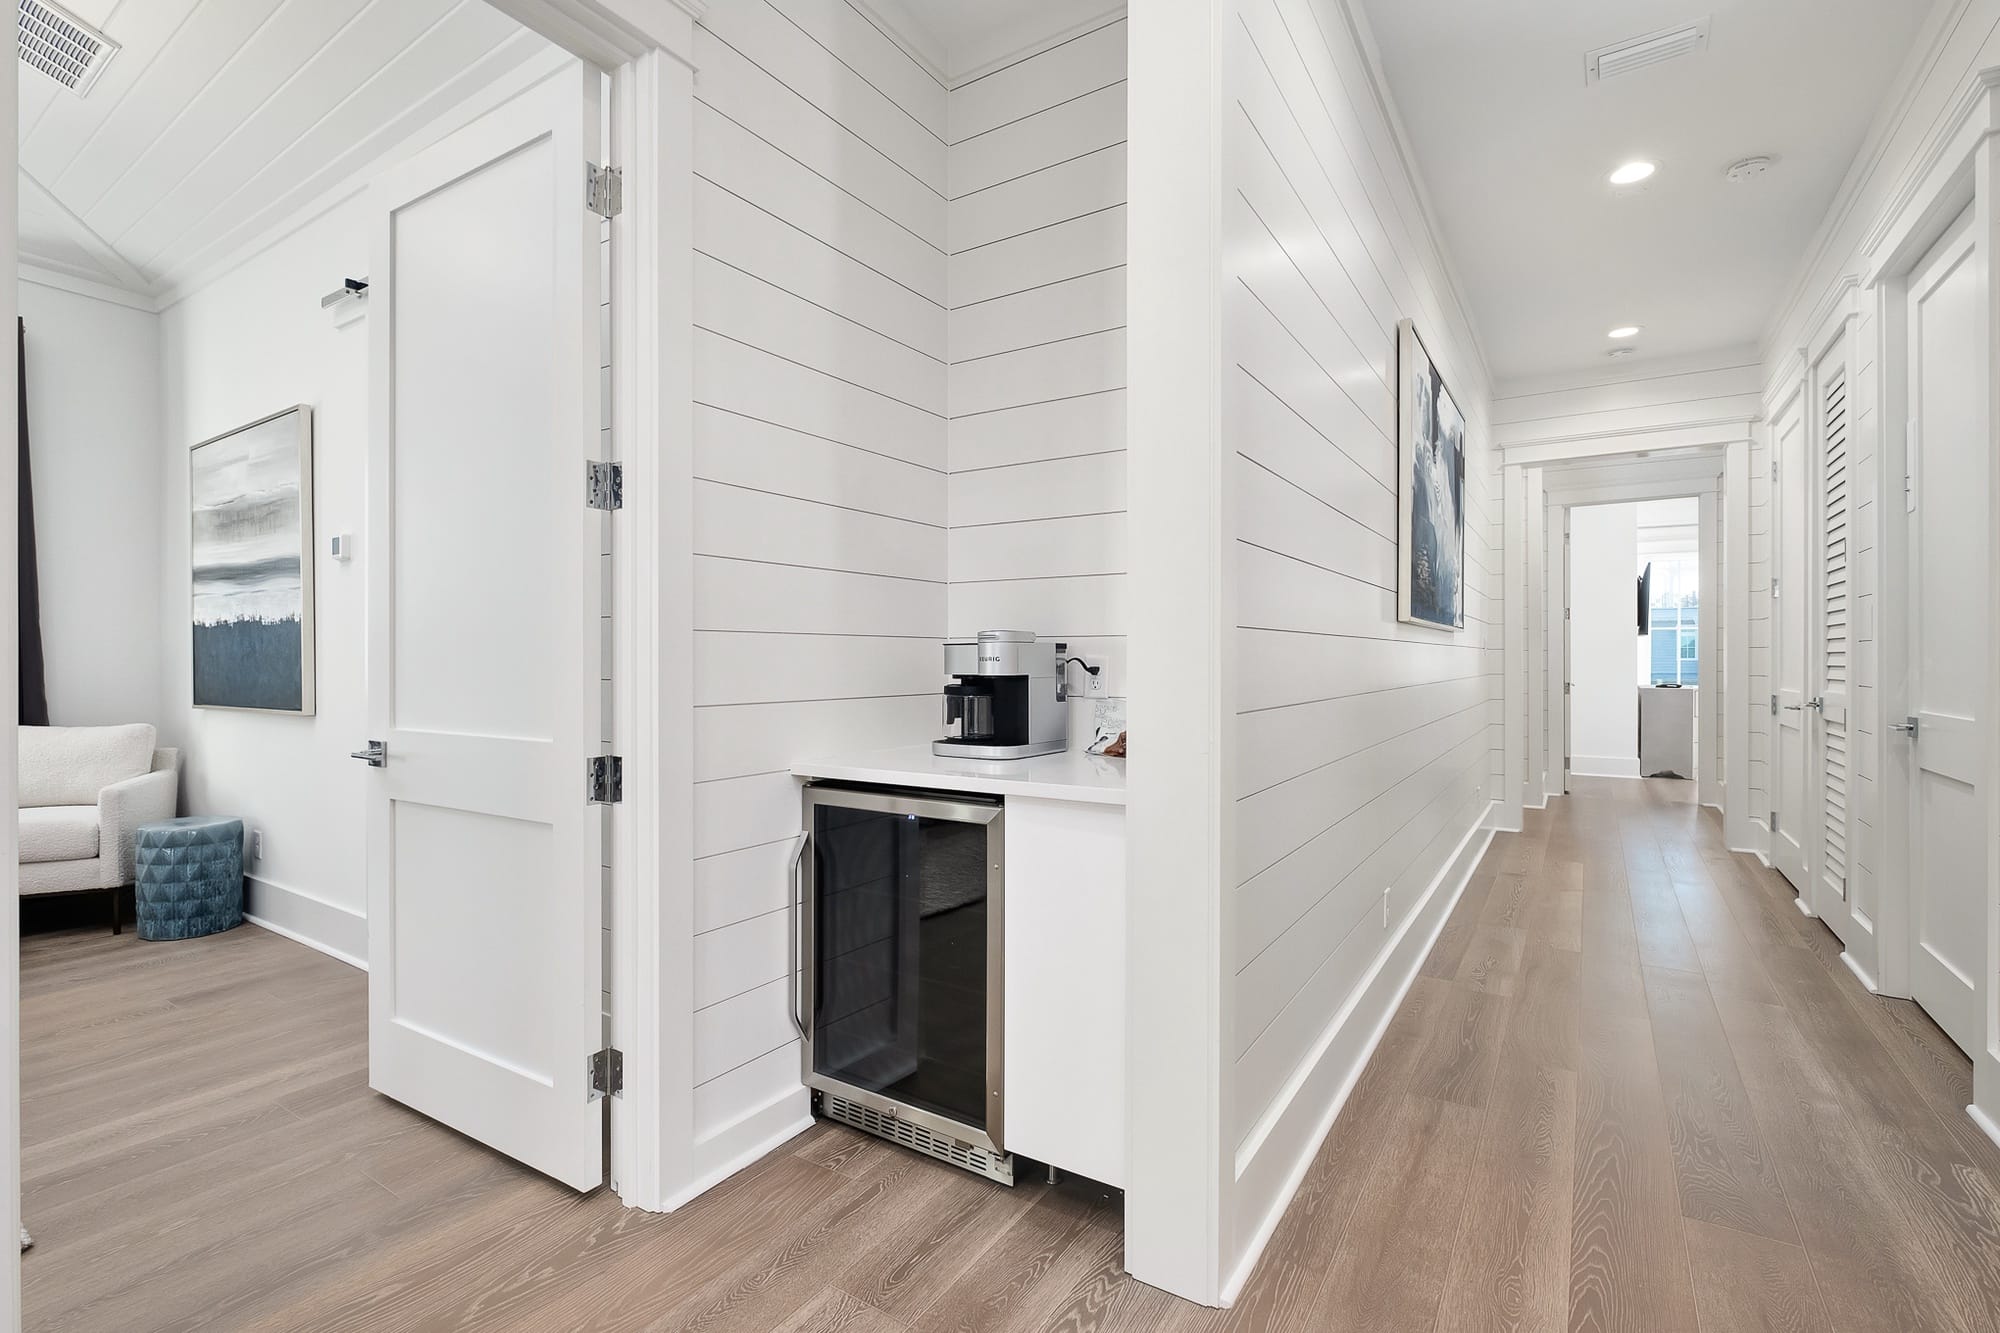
(1430, 545)
(251, 548)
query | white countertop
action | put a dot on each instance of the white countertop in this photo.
(1069, 776)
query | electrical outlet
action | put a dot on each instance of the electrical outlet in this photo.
(1096, 687)
(256, 844)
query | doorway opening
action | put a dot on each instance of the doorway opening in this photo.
(331, 323)
(1633, 627)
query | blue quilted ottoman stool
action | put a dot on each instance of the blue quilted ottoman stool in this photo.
(188, 877)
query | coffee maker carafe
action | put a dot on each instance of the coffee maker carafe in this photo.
(1006, 699)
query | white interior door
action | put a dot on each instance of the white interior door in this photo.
(483, 640)
(1789, 583)
(1947, 609)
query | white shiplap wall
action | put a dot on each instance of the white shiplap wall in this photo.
(1366, 749)
(1036, 231)
(821, 397)
(1757, 641)
(1703, 401)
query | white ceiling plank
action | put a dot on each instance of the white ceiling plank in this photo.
(458, 84)
(342, 97)
(254, 79)
(143, 31)
(194, 55)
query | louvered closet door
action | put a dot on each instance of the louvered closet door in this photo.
(1836, 771)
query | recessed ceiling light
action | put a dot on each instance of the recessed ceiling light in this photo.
(1624, 331)
(1633, 172)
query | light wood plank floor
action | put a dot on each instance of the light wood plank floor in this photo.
(1632, 1088)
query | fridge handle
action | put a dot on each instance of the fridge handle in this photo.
(793, 901)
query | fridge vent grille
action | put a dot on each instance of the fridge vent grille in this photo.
(946, 1149)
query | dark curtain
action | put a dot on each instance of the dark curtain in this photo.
(34, 686)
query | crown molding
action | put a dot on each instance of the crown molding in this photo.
(901, 27)
(41, 275)
(1099, 16)
(1868, 163)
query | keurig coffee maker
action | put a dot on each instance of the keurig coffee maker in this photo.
(1006, 699)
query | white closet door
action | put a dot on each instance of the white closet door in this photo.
(483, 644)
(1790, 763)
(1949, 639)
(1835, 766)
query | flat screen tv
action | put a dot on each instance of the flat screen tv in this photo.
(1646, 600)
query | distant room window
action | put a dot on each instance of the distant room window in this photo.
(1674, 646)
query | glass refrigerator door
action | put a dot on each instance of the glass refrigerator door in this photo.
(899, 965)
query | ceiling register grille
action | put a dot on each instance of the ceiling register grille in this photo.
(63, 46)
(1608, 62)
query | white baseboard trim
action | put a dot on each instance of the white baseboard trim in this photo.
(336, 931)
(1985, 1123)
(790, 1123)
(1603, 766)
(1805, 908)
(1389, 981)
(1860, 975)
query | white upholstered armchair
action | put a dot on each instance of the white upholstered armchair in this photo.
(84, 793)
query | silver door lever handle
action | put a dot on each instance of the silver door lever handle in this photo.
(375, 756)
(1908, 727)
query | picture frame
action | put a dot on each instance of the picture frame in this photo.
(1430, 490)
(250, 557)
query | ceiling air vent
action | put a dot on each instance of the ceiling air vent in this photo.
(1608, 62)
(63, 46)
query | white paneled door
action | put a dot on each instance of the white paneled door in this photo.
(1948, 642)
(1789, 583)
(483, 641)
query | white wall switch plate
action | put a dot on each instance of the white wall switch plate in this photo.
(256, 844)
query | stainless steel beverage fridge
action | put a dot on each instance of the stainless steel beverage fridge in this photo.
(900, 897)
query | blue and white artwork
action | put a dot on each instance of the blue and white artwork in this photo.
(1431, 536)
(251, 544)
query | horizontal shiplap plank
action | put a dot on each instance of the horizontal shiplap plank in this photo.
(1085, 62)
(1070, 368)
(790, 56)
(755, 597)
(864, 48)
(1062, 189)
(740, 957)
(1086, 244)
(750, 381)
(1075, 607)
(743, 451)
(741, 1092)
(744, 524)
(1094, 544)
(736, 668)
(741, 739)
(1088, 484)
(743, 1027)
(735, 86)
(734, 160)
(1273, 513)
(1007, 152)
(1092, 303)
(1091, 424)
(738, 305)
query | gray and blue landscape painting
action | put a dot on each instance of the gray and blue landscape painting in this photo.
(1437, 502)
(248, 553)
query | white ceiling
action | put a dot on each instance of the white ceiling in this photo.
(1514, 148)
(220, 117)
(961, 38)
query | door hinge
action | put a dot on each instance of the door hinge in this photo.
(1565, 687)
(604, 190)
(603, 484)
(607, 1073)
(1774, 705)
(604, 779)
(1774, 821)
